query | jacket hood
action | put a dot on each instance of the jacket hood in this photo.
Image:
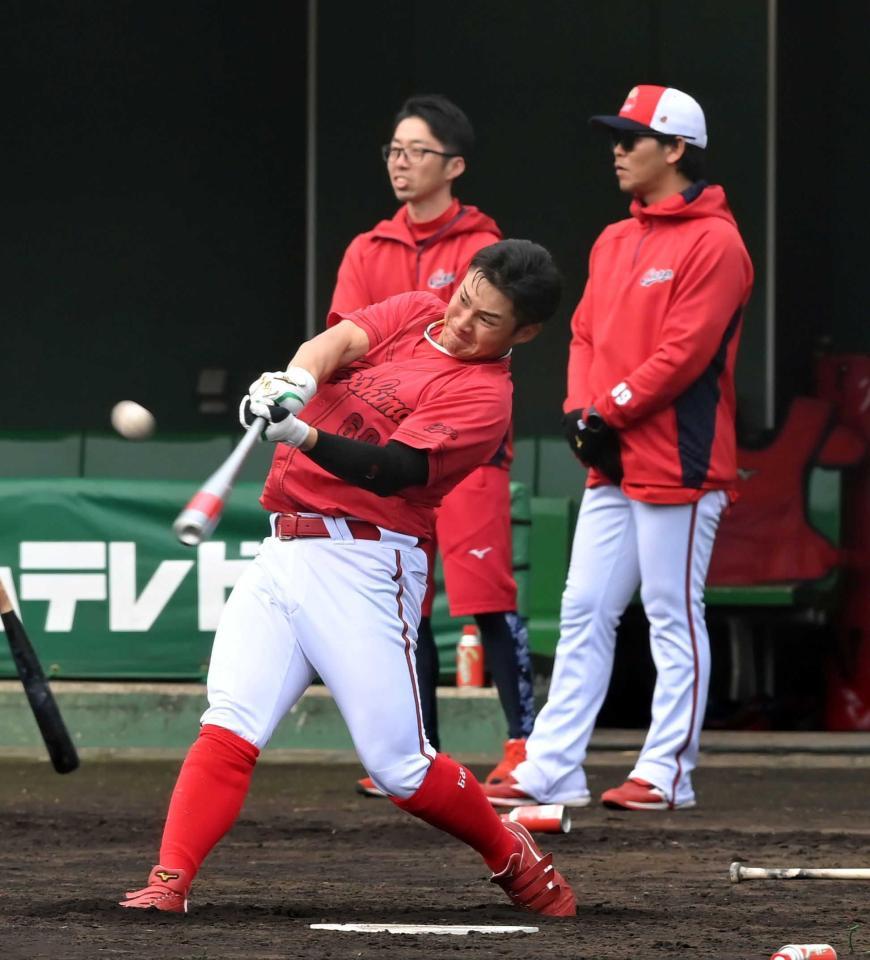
(468, 220)
(701, 199)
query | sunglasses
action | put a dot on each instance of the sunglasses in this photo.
(628, 141)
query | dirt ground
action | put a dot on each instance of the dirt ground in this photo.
(307, 850)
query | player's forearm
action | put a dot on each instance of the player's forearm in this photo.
(580, 353)
(579, 361)
(678, 362)
(324, 354)
(382, 470)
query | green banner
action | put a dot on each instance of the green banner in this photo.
(103, 587)
(105, 590)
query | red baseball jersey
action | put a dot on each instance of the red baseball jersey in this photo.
(403, 389)
(398, 256)
(654, 342)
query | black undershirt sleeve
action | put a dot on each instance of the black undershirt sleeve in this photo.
(383, 470)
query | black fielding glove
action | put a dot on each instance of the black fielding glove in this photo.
(593, 442)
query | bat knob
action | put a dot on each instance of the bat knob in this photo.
(189, 529)
(193, 526)
(734, 873)
(198, 519)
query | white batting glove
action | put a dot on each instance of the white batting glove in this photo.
(290, 389)
(281, 426)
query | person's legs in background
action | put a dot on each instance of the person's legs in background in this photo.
(602, 576)
(506, 655)
(427, 678)
(476, 544)
(673, 597)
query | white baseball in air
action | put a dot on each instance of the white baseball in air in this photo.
(132, 420)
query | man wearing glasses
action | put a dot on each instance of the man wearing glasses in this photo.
(650, 411)
(427, 245)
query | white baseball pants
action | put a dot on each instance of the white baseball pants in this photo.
(620, 545)
(342, 609)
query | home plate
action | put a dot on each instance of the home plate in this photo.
(417, 928)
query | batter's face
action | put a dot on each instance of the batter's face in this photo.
(648, 168)
(480, 323)
(433, 175)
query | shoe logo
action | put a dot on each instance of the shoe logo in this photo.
(166, 876)
(461, 783)
(440, 278)
(480, 553)
(656, 276)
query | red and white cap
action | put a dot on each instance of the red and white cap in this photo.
(651, 109)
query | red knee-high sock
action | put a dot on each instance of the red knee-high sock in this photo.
(207, 798)
(451, 799)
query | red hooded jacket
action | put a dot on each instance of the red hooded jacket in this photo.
(654, 341)
(389, 259)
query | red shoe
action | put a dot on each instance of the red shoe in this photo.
(514, 754)
(531, 880)
(637, 794)
(509, 793)
(367, 788)
(167, 891)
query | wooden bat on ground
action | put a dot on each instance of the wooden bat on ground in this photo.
(197, 520)
(60, 747)
(738, 872)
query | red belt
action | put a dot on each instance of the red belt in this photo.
(289, 526)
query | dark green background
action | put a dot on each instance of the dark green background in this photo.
(153, 174)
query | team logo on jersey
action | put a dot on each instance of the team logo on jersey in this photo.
(440, 278)
(380, 393)
(656, 276)
(442, 428)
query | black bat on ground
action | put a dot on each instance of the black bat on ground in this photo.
(60, 747)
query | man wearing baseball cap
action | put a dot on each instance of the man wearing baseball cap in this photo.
(650, 412)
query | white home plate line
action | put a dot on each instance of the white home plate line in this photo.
(417, 928)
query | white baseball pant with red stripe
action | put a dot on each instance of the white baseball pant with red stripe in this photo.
(342, 609)
(620, 545)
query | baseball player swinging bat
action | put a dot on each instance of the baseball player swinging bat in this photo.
(60, 747)
(738, 872)
(198, 519)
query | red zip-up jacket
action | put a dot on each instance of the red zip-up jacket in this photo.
(654, 341)
(388, 260)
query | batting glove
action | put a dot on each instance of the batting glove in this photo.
(281, 425)
(593, 442)
(290, 389)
